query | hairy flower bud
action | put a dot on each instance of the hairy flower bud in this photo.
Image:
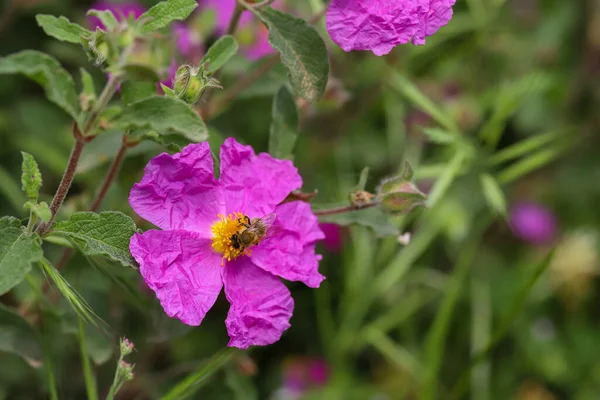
(190, 83)
(399, 194)
(125, 371)
(126, 346)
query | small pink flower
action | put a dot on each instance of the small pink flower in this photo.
(533, 223)
(192, 257)
(251, 34)
(119, 10)
(380, 25)
(333, 237)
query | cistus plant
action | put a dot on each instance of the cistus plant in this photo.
(238, 122)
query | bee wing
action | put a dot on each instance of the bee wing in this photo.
(273, 229)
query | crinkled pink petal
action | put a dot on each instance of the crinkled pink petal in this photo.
(380, 25)
(179, 191)
(254, 184)
(182, 269)
(119, 10)
(261, 305)
(291, 253)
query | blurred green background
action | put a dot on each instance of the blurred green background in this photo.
(519, 79)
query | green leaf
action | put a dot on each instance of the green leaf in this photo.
(31, 179)
(106, 17)
(372, 218)
(134, 90)
(405, 87)
(107, 233)
(18, 250)
(439, 136)
(493, 194)
(362, 180)
(284, 126)
(18, 337)
(61, 28)
(75, 300)
(302, 51)
(168, 91)
(165, 115)
(219, 53)
(165, 12)
(46, 71)
(40, 209)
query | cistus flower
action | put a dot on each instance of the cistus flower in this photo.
(188, 262)
(301, 374)
(251, 34)
(333, 237)
(381, 25)
(533, 223)
(121, 11)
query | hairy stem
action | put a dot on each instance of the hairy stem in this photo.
(65, 182)
(344, 209)
(235, 19)
(113, 172)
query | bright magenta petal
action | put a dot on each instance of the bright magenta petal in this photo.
(291, 253)
(179, 191)
(182, 269)
(261, 305)
(255, 184)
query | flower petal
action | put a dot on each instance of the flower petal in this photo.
(291, 253)
(182, 269)
(380, 25)
(179, 191)
(254, 184)
(261, 305)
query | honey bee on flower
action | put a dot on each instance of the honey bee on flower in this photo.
(233, 233)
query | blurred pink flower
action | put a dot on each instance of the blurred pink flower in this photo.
(192, 258)
(120, 10)
(533, 223)
(303, 373)
(189, 44)
(252, 34)
(333, 236)
(380, 25)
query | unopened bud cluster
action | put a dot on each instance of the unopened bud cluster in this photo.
(399, 194)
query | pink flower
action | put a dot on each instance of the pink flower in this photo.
(333, 237)
(120, 10)
(533, 223)
(380, 25)
(193, 257)
(251, 34)
(189, 43)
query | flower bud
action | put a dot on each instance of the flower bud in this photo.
(190, 83)
(126, 346)
(399, 195)
(361, 198)
(99, 50)
(125, 371)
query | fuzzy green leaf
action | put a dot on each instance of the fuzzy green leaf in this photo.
(107, 233)
(372, 218)
(18, 250)
(135, 90)
(46, 71)
(31, 179)
(284, 126)
(163, 13)
(18, 337)
(61, 28)
(302, 51)
(42, 210)
(106, 17)
(165, 116)
(219, 53)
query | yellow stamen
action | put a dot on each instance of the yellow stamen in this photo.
(222, 231)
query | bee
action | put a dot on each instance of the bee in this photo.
(253, 231)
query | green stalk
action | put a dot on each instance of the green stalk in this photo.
(90, 380)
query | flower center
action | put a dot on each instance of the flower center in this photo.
(223, 231)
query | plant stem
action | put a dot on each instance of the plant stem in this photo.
(31, 222)
(235, 18)
(107, 93)
(116, 384)
(344, 209)
(113, 172)
(65, 182)
(90, 380)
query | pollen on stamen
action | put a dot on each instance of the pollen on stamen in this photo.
(222, 230)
